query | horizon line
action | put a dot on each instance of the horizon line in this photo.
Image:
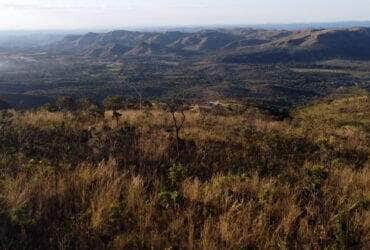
(193, 26)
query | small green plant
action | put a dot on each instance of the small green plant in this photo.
(176, 174)
(317, 174)
(168, 198)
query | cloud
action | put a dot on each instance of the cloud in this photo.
(191, 5)
(64, 6)
(107, 5)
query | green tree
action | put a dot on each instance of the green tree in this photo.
(65, 104)
(90, 109)
(114, 103)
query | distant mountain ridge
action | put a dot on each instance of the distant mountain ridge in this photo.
(309, 45)
(238, 45)
(129, 43)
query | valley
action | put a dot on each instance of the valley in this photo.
(199, 67)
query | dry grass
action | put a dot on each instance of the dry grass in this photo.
(315, 203)
(42, 118)
(235, 211)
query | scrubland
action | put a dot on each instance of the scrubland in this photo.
(237, 178)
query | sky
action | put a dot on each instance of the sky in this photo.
(94, 14)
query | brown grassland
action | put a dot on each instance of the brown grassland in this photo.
(237, 178)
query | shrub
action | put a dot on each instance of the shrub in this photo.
(176, 174)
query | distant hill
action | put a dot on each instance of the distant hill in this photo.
(309, 45)
(238, 45)
(128, 43)
(315, 25)
(204, 65)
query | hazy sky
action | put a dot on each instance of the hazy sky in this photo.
(67, 14)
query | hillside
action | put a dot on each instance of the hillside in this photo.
(309, 45)
(233, 45)
(236, 178)
(178, 43)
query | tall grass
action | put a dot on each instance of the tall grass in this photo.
(251, 182)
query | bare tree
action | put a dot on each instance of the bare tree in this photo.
(175, 107)
(181, 149)
(114, 103)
